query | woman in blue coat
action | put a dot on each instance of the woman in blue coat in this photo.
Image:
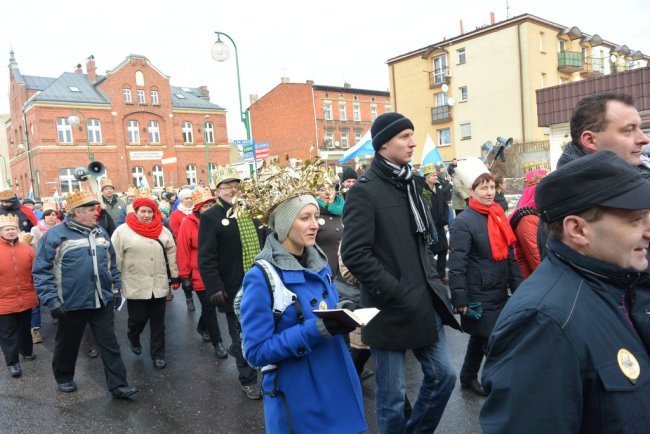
(309, 382)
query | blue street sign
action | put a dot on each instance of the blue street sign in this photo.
(261, 145)
(243, 142)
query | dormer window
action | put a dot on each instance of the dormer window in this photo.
(74, 89)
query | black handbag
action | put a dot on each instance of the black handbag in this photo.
(171, 280)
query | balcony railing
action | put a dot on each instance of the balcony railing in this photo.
(593, 67)
(569, 61)
(438, 77)
(440, 114)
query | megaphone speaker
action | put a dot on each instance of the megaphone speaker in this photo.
(96, 168)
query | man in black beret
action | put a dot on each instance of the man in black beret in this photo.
(565, 354)
(385, 246)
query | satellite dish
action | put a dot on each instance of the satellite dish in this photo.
(337, 144)
(445, 87)
(451, 101)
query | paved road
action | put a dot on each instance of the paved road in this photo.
(196, 393)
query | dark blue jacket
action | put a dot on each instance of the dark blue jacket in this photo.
(552, 364)
(75, 266)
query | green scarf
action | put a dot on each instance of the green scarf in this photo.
(334, 208)
(250, 242)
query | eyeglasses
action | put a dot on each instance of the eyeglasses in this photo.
(229, 187)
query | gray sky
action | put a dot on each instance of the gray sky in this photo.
(330, 42)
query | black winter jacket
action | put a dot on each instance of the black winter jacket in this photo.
(395, 269)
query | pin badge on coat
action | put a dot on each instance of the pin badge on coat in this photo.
(628, 364)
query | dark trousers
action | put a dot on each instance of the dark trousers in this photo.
(247, 374)
(359, 357)
(441, 263)
(476, 349)
(68, 337)
(152, 311)
(16, 335)
(208, 319)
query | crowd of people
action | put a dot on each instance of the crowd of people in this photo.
(554, 292)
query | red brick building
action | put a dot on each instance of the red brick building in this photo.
(129, 119)
(304, 119)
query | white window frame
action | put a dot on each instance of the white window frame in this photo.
(356, 112)
(327, 110)
(94, 130)
(345, 142)
(542, 45)
(126, 94)
(329, 139)
(64, 130)
(154, 97)
(440, 68)
(465, 130)
(441, 99)
(441, 136)
(158, 174)
(343, 116)
(141, 97)
(133, 131)
(137, 173)
(208, 132)
(190, 173)
(153, 128)
(67, 181)
(464, 94)
(373, 112)
(188, 135)
(357, 137)
(462, 56)
(387, 109)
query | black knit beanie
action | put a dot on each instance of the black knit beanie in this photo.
(388, 126)
(348, 173)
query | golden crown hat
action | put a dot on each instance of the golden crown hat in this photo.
(80, 198)
(133, 191)
(258, 198)
(48, 205)
(225, 174)
(144, 192)
(201, 194)
(7, 195)
(8, 220)
(105, 182)
(428, 169)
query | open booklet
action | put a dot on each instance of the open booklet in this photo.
(358, 318)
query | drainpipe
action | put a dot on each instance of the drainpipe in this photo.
(313, 107)
(392, 69)
(521, 85)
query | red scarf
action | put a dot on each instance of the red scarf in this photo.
(148, 230)
(499, 232)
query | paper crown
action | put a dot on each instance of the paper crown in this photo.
(105, 182)
(225, 174)
(8, 220)
(470, 169)
(428, 169)
(144, 192)
(200, 195)
(48, 206)
(275, 184)
(7, 194)
(132, 191)
(534, 176)
(80, 198)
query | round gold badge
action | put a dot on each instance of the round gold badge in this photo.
(628, 364)
(322, 305)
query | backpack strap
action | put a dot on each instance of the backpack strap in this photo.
(281, 296)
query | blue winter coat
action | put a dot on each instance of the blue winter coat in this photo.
(316, 384)
(64, 268)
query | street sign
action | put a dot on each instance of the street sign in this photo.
(171, 160)
(243, 142)
(248, 152)
(261, 150)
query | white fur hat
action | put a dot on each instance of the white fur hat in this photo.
(470, 169)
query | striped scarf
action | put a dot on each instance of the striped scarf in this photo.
(250, 241)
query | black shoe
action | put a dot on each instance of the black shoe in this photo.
(68, 387)
(190, 305)
(474, 385)
(160, 363)
(136, 349)
(123, 392)
(252, 391)
(365, 374)
(220, 351)
(30, 357)
(92, 353)
(15, 370)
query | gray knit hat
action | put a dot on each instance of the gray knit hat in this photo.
(283, 215)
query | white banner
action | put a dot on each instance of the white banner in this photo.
(145, 155)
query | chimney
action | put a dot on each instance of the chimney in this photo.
(253, 98)
(205, 93)
(91, 69)
(310, 82)
(462, 31)
(284, 80)
(491, 18)
(77, 69)
(347, 85)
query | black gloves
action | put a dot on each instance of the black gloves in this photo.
(219, 299)
(58, 312)
(117, 300)
(187, 285)
(335, 328)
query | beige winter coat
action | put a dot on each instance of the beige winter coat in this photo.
(142, 263)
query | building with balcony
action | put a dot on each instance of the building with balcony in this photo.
(304, 120)
(466, 90)
(129, 119)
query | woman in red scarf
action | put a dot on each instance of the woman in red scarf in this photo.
(482, 268)
(146, 257)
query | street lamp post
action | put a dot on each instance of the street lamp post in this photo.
(8, 181)
(207, 156)
(74, 120)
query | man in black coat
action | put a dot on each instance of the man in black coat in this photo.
(566, 354)
(385, 246)
(437, 196)
(221, 258)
